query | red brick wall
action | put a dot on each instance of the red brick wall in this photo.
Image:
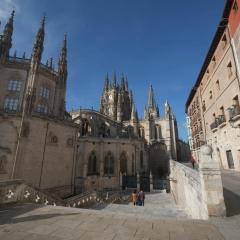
(234, 18)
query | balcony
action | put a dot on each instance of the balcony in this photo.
(214, 125)
(234, 112)
(221, 121)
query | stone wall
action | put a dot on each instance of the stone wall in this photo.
(199, 192)
(187, 190)
(46, 152)
(118, 147)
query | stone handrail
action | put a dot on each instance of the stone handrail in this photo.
(12, 191)
(187, 190)
(199, 192)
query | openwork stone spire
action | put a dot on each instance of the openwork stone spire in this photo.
(152, 109)
(151, 98)
(38, 45)
(62, 64)
(134, 115)
(6, 40)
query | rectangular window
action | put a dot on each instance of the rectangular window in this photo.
(44, 92)
(11, 104)
(224, 41)
(204, 106)
(229, 68)
(210, 95)
(42, 108)
(208, 74)
(14, 85)
(218, 85)
(222, 111)
(214, 62)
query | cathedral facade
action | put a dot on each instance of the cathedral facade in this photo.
(71, 152)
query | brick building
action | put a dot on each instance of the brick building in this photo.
(213, 103)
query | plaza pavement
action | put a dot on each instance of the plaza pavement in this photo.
(38, 222)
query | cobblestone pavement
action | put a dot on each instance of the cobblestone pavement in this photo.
(157, 205)
(56, 223)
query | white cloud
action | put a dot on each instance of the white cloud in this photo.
(6, 7)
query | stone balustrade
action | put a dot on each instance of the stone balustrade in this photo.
(12, 191)
(200, 193)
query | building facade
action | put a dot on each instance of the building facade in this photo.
(136, 146)
(32, 114)
(67, 153)
(214, 99)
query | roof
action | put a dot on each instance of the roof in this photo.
(217, 37)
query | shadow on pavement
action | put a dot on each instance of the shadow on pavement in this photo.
(9, 214)
(232, 202)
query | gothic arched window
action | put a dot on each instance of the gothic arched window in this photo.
(109, 164)
(92, 164)
(123, 163)
(85, 127)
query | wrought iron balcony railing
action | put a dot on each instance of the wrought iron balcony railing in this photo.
(221, 119)
(214, 124)
(234, 111)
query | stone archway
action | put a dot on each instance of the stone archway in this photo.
(159, 160)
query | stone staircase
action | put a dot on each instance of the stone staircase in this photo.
(157, 205)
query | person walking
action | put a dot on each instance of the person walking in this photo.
(193, 161)
(134, 197)
(141, 196)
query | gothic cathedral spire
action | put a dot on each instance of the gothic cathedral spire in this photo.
(62, 63)
(134, 116)
(106, 85)
(35, 62)
(38, 45)
(114, 82)
(151, 99)
(6, 40)
(152, 108)
(36, 54)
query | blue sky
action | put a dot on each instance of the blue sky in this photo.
(156, 42)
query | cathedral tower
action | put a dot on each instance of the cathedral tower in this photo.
(116, 100)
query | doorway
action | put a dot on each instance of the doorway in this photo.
(230, 159)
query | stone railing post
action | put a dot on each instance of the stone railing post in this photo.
(211, 182)
(151, 182)
(120, 180)
(138, 181)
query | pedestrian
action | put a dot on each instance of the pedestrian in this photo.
(141, 196)
(193, 161)
(134, 197)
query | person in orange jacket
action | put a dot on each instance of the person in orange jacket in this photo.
(134, 197)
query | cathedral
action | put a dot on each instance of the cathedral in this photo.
(82, 150)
